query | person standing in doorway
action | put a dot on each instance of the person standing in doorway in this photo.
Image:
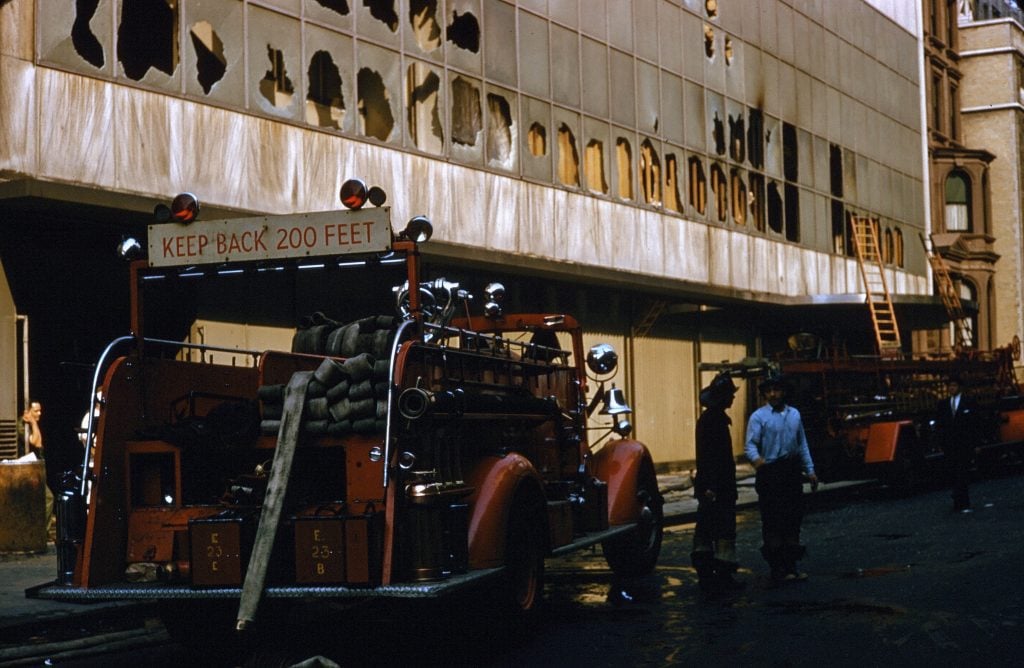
(31, 434)
(776, 447)
(956, 425)
(714, 537)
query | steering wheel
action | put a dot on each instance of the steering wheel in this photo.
(428, 302)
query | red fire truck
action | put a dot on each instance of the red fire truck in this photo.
(410, 449)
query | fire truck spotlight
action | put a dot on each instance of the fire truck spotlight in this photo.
(353, 193)
(406, 461)
(377, 196)
(162, 213)
(129, 249)
(602, 358)
(622, 427)
(418, 229)
(185, 208)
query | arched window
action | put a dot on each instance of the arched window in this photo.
(958, 202)
(897, 247)
(887, 247)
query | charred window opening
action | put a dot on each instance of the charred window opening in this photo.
(337, 6)
(718, 134)
(835, 170)
(739, 197)
(374, 106)
(275, 86)
(897, 247)
(424, 118)
(499, 128)
(757, 201)
(211, 63)
(792, 213)
(537, 139)
(755, 138)
(82, 37)
(624, 164)
(568, 157)
(593, 167)
(467, 119)
(383, 11)
(147, 37)
(709, 41)
(672, 200)
(790, 159)
(728, 51)
(698, 186)
(711, 8)
(887, 251)
(650, 173)
(840, 244)
(774, 208)
(325, 103)
(720, 190)
(737, 139)
(464, 32)
(423, 19)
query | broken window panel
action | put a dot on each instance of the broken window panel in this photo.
(897, 247)
(337, 6)
(624, 171)
(756, 198)
(718, 133)
(720, 189)
(423, 19)
(425, 130)
(887, 252)
(709, 41)
(147, 37)
(728, 51)
(672, 200)
(650, 173)
(499, 129)
(383, 11)
(711, 8)
(537, 139)
(467, 119)
(211, 63)
(835, 165)
(774, 208)
(698, 186)
(840, 246)
(86, 44)
(568, 157)
(325, 104)
(374, 105)
(593, 167)
(464, 31)
(790, 159)
(275, 86)
(755, 138)
(739, 197)
(737, 138)
(792, 204)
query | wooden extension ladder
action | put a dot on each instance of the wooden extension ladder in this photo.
(654, 311)
(962, 334)
(883, 316)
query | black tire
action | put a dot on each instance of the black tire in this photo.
(525, 547)
(636, 553)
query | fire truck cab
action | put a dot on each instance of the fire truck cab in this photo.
(412, 451)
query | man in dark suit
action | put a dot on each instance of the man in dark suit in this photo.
(956, 420)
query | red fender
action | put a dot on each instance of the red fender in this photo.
(495, 481)
(882, 440)
(618, 463)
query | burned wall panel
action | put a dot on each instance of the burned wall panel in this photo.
(378, 93)
(466, 118)
(335, 13)
(147, 42)
(675, 179)
(697, 190)
(648, 98)
(716, 121)
(424, 28)
(596, 155)
(650, 170)
(567, 148)
(735, 68)
(693, 113)
(378, 20)
(500, 43)
(622, 175)
(502, 129)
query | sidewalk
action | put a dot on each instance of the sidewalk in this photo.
(19, 572)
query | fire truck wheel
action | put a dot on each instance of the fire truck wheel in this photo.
(524, 556)
(636, 553)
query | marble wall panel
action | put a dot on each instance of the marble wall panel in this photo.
(500, 220)
(686, 250)
(18, 120)
(738, 249)
(537, 229)
(211, 155)
(143, 146)
(823, 273)
(76, 137)
(16, 21)
(719, 256)
(469, 192)
(275, 172)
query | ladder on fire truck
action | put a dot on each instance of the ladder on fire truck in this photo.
(869, 259)
(962, 334)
